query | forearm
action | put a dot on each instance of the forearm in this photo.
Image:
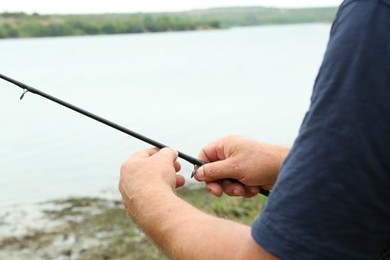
(185, 232)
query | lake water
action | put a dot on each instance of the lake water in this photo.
(183, 89)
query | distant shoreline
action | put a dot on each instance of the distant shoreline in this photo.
(22, 25)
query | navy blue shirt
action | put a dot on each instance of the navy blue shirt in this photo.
(332, 196)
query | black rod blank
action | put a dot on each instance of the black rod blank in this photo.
(152, 142)
(27, 88)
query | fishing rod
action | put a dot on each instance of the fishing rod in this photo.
(26, 89)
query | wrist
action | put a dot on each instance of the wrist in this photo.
(280, 155)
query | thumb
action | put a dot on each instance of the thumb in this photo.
(167, 153)
(218, 170)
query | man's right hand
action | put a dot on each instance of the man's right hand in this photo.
(254, 164)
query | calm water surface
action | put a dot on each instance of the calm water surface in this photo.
(182, 89)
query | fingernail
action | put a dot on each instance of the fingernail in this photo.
(200, 174)
(238, 192)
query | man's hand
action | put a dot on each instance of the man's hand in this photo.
(146, 173)
(148, 181)
(254, 164)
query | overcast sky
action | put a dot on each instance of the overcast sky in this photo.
(112, 6)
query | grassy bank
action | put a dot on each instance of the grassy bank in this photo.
(18, 25)
(92, 228)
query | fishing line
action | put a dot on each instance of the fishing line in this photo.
(26, 89)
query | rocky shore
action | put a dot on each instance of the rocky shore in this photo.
(96, 228)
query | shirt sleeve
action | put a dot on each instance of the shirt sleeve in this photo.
(331, 199)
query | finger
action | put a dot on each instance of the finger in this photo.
(215, 188)
(146, 153)
(251, 191)
(177, 166)
(212, 152)
(217, 171)
(167, 154)
(233, 188)
(180, 181)
(238, 189)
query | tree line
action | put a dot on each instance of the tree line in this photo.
(18, 25)
(252, 16)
